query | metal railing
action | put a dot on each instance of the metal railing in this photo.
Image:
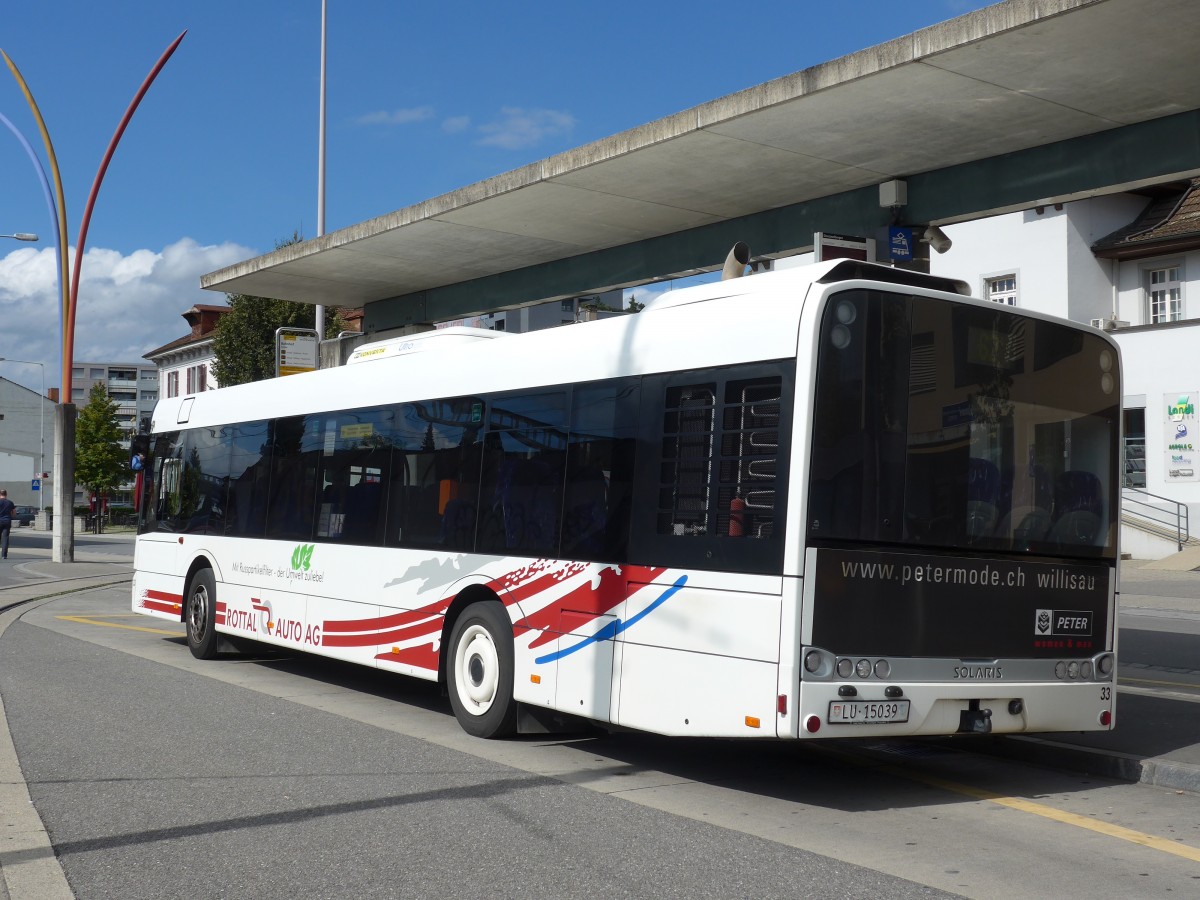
(1165, 514)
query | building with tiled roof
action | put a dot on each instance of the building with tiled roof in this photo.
(1169, 224)
(185, 364)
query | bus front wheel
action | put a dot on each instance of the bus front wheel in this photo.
(481, 671)
(200, 614)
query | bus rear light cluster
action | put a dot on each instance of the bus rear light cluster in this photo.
(863, 668)
(1084, 670)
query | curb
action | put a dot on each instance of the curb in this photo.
(1155, 770)
(31, 868)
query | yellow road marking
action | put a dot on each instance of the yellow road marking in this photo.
(1151, 841)
(95, 620)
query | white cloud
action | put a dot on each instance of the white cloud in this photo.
(456, 124)
(128, 304)
(396, 116)
(525, 127)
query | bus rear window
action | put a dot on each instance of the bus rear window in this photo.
(954, 426)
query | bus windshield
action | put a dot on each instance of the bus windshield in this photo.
(962, 427)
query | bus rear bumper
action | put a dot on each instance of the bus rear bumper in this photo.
(941, 709)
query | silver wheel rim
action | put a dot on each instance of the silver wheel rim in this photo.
(198, 612)
(477, 670)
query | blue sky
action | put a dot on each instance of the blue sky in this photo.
(220, 161)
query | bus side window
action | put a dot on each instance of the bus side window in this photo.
(710, 492)
(523, 474)
(167, 510)
(351, 460)
(434, 477)
(685, 479)
(161, 447)
(208, 457)
(600, 458)
(249, 480)
(293, 478)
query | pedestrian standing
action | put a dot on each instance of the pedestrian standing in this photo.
(7, 507)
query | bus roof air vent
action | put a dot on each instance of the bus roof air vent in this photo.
(855, 270)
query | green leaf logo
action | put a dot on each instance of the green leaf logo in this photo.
(302, 557)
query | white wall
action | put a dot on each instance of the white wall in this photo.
(173, 363)
(1090, 280)
(1157, 363)
(1030, 245)
(1050, 252)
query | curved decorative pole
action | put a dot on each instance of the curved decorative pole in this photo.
(41, 173)
(69, 340)
(64, 251)
(63, 546)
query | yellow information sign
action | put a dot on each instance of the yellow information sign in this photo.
(296, 351)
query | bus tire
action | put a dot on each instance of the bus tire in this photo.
(480, 671)
(200, 614)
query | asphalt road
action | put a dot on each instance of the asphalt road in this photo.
(157, 775)
(158, 782)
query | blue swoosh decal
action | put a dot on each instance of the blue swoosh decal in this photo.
(615, 627)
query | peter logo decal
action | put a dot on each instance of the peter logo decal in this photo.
(1063, 623)
(1042, 625)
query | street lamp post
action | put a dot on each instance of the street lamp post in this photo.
(21, 236)
(41, 419)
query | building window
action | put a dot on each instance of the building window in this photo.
(172, 384)
(97, 373)
(1002, 289)
(1165, 294)
(197, 379)
(1135, 447)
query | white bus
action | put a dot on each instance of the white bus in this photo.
(842, 500)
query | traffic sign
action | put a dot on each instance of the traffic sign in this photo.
(37, 484)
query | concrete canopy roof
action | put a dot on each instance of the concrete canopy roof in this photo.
(1013, 76)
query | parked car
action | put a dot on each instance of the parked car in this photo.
(24, 515)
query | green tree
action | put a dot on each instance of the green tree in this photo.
(244, 342)
(101, 464)
(634, 306)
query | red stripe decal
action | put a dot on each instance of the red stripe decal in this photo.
(423, 656)
(587, 601)
(159, 606)
(513, 587)
(161, 601)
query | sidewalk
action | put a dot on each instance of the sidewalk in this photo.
(29, 573)
(1156, 741)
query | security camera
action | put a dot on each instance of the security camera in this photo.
(937, 239)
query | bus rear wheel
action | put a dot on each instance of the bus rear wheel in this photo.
(481, 670)
(200, 614)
